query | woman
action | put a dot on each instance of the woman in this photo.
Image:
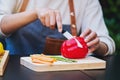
(89, 22)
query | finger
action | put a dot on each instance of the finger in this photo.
(42, 19)
(52, 19)
(47, 19)
(91, 49)
(59, 21)
(85, 33)
(42, 15)
(91, 37)
(93, 42)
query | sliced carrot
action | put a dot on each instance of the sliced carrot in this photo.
(40, 62)
(41, 58)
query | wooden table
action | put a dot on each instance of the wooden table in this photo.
(15, 71)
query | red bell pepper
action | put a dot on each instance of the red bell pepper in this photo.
(70, 48)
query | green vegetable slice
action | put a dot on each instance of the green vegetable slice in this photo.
(59, 58)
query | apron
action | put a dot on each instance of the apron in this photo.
(31, 38)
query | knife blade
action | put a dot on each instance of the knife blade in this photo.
(69, 36)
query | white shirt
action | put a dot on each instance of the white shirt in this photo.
(88, 14)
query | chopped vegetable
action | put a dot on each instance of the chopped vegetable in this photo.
(42, 59)
(59, 58)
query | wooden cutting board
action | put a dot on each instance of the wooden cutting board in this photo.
(87, 63)
(3, 62)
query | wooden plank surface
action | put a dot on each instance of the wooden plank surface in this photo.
(4, 62)
(87, 63)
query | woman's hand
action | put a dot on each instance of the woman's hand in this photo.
(50, 18)
(91, 39)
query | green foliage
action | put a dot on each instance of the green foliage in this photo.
(112, 17)
(114, 31)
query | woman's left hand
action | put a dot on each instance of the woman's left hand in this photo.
(91, 39)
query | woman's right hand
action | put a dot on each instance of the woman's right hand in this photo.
(50, 18)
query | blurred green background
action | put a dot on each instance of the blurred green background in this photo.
(111, 14)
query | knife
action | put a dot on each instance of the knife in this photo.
(69, 36)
